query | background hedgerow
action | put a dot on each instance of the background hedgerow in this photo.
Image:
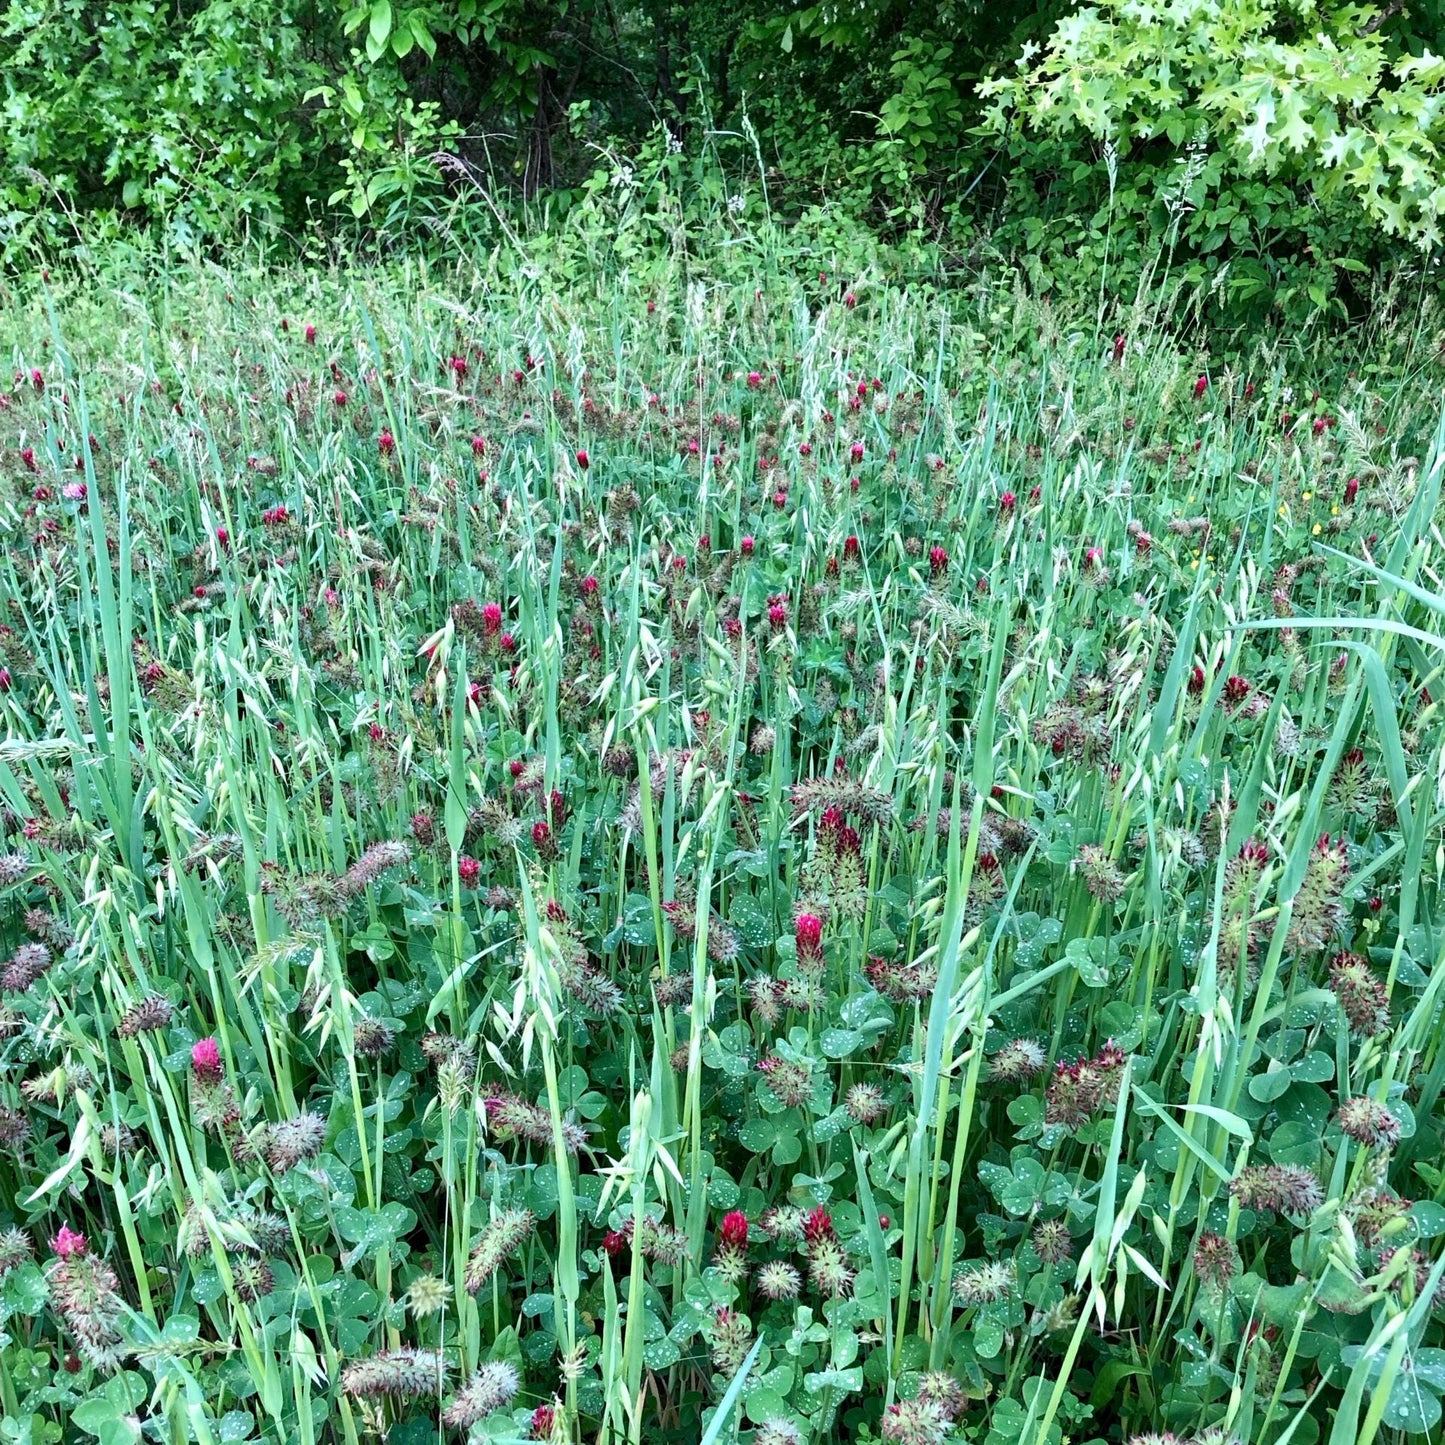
(662, 857)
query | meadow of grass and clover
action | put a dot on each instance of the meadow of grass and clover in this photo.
(775, 859)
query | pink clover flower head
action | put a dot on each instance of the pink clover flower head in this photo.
(206, 1060)
(68, 1242)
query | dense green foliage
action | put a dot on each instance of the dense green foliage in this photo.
(1271, 153)
(601, 849)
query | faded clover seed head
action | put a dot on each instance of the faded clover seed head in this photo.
(985, 1283)
(1021, 1059)
(1216, 1261)
(731, 1336)
(498, 1242)
(427, 1295)
(405, 1373)
(791, 1083)
(779, 1280)
(253, 1278)
(151, 1013)
(492, 1386)
(1277, 1188)
(1368, 1122)
(15, 1250)
(1052, 1242)
(828, 1268)
(85, 1292)
(1079, 1089)
(1363, 998)
(785, 1223)
(1318, 910)
(777, 1432)
(915, 1422)
(1101, 875)
(852, 798)
(294, 1141)
(938, 1387)
(378, 860)
(373, 1038)
(865, 1103)
(28, 965)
